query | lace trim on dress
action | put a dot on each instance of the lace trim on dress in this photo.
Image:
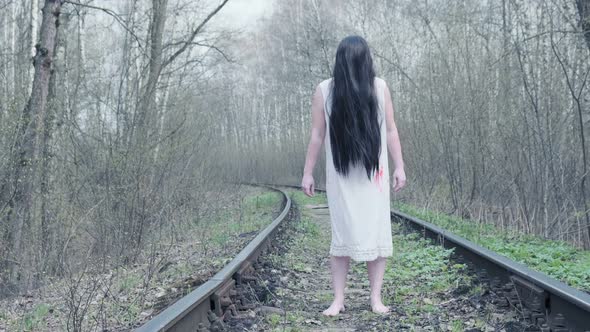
(361, 255)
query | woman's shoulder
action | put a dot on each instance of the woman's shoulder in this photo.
(324, 86)
(326, 82)
(380, 81)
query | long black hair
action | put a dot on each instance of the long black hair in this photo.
(355, 135)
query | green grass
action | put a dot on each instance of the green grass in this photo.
(555, 258)
(302, 199)
(306, 224)
(274, 320)
(457, 326)
(256, 213)
(420, 267)
(129, 282)
(31, 320)
(262, 204)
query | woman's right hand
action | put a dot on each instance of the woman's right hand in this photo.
(308, 185)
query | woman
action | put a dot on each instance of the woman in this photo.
(356, 110)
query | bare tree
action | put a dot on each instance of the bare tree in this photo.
(18, 190)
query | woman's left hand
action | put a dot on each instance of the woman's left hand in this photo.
(308, 185)
(399, 176)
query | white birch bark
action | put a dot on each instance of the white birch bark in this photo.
(13, 73)
(34, 37)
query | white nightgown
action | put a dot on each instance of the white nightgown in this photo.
(359, 207)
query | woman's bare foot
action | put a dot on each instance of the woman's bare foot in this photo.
(336, 308)
(378, 307)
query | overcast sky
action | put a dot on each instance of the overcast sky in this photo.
(242, 13)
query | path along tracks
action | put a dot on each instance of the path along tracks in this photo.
(549, 304)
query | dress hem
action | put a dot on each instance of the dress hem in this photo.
(361, 255)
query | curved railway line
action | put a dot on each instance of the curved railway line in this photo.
(548, 303)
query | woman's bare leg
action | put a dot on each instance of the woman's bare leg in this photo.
(339, 267)
(376, 271)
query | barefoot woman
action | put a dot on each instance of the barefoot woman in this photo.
(352, 113)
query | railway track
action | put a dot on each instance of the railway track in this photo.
(204, 308)
(547, 303)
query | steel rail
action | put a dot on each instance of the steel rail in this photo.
(193, 311)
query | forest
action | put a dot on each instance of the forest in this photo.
(124, 124)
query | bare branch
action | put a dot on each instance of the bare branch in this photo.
(112, 13)
(225, 56)
(194, 34)
(403, 72)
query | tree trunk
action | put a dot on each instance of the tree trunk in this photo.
(584, 12)
(47, 154)
(13, 73)
(5, 66)
(24, 158)
(147, 104)
(34, 37)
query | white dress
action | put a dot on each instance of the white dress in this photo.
(359, 207)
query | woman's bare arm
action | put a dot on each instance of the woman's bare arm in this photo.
(393, 143)
(318, 132)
